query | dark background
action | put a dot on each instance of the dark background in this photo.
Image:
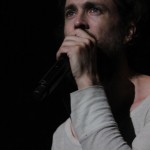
(28, 47)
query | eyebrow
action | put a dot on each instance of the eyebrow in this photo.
(93, 4)
(71, 6)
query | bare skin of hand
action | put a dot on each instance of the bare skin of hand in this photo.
(80, 47)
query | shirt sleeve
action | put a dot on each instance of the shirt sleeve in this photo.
(93, 121)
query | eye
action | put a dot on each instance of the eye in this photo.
(69, 13)
(95, 11)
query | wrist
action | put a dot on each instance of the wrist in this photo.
(85, 81)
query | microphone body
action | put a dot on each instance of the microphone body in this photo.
(52, 78)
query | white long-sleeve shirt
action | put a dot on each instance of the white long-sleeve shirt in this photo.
(96, 129)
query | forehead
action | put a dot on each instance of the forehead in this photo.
(109, 3)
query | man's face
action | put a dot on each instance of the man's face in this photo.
(99, 18)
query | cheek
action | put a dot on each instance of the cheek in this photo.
(103, 25)
(65, 31)
(103, 30)
(99, 30)
(68, 28)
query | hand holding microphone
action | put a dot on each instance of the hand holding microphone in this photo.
(76, 56)
(81, 47)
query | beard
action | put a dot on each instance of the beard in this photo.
(111, 58)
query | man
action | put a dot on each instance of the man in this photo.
(97, 35)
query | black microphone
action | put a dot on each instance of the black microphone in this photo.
(52, 78)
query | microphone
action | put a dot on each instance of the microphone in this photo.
(52, 78)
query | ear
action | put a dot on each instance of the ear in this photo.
(130, 32)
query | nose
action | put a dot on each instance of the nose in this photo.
(81, 22)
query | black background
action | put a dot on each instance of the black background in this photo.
(29, 44)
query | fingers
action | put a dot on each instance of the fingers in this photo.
(84, 34)
(79, 47)
(80, 39)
